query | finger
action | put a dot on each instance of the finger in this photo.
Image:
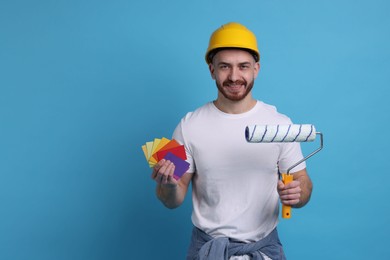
(290, 191)
(169, 172)
(154, 173)
(293, 184)
(291, 199)
(171, 169)
(160, 171)
(291, 187)
(290, 202)
(157, 167)
(292, 196)
(159, 178)
(163, 172)
(280, 185)
(171, 179)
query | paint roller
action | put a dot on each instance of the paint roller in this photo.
(283, 134)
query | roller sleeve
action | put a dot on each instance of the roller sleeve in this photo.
(280, 133)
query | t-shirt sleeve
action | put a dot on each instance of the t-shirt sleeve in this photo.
(290, 154)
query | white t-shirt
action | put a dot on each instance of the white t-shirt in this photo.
(234, 186)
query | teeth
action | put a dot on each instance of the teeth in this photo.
(234, 84)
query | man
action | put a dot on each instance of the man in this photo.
(235, 184)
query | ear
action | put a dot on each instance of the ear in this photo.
(212, 70)
(257, 69)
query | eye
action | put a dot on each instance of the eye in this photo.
(244, 66)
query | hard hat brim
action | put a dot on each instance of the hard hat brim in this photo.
(211, 53)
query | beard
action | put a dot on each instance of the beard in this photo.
(234, 96)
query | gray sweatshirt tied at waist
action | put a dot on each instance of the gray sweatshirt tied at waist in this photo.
(205, 247)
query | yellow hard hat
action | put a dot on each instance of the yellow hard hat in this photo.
(232, 35)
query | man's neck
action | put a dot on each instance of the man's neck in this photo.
(235, 107)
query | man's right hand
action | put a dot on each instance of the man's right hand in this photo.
(163, 173)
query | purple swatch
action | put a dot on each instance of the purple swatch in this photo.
(181, 166)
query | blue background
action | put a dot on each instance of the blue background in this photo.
(83, 84)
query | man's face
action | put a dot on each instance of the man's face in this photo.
(234, 72)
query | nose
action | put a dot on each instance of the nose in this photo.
(234, 74)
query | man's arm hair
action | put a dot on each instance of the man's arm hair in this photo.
(172, 196)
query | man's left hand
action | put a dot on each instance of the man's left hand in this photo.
(289, 193)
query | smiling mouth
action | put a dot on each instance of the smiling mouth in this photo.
(234, 86)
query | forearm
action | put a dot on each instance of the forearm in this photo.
(169, 191)
(171, 196)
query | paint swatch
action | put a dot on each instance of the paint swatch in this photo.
(171, 150)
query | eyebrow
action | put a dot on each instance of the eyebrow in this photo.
(240, 64)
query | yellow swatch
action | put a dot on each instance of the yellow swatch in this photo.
(160, 145)
(145, 152)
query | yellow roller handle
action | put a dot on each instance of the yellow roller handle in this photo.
(286, 210)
